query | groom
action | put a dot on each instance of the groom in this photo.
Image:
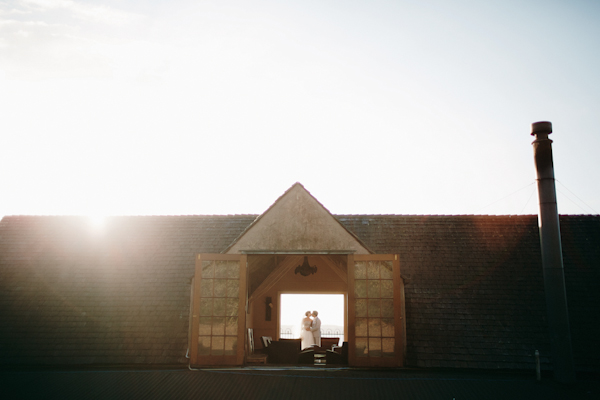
(316, 328)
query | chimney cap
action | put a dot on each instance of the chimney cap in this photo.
(541, 127)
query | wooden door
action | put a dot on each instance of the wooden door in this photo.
(219, 310)
(375, 311)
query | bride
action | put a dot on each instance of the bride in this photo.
(305, 333)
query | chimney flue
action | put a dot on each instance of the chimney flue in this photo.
(552, 260)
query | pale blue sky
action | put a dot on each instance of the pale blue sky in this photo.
(211, 107)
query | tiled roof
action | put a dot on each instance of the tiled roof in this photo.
(474, 286)
(71, 294)
(474, 293)
(581, 254)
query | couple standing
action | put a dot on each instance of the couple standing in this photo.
(310, 330)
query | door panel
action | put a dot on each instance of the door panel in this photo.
(375, 299)
(218, 310)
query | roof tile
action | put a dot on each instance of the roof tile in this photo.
(474, 290)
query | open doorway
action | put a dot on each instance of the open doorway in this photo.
(331, 309)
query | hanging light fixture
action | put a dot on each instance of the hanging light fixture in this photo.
(305, 269)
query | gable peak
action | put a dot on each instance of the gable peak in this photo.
(297, 222)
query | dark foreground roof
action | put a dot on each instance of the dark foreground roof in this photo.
(70, 294)
(305, 383)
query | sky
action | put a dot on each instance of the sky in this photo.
(128, 107)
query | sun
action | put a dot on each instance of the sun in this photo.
(97, 222)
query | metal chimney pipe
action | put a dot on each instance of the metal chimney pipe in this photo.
(552, 260)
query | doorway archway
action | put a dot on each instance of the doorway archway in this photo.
(331, 308)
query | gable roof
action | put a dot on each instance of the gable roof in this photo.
(297, 222)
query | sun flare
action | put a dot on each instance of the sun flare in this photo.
(97, 222)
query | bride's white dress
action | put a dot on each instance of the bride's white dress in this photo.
(307, 336)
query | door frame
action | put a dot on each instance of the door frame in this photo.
(325, 292)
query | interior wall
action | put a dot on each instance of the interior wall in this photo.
(325, 280)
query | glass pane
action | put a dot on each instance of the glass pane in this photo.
(387, 327)
(374, 327)
(233, 270)
(205, 307)
(386, 270)
(233, 288)
(374, 289)
(218, 326)
(204, 345)
(360, 270)
(360, 288)
(217, 345)
(375, 347)
(387, 288)
(361, 347)
(374, 297)
(231, 326)
(206, 287)
(230, 345)
(220, 287)
(374, 308)
(208, 269)
(232, 306)
(221, 269)
(361, 308)
(361, 327)
(373, 270)
(204, 325)
(218, 312)
(387, 347)
(219, 307)
(387, 308)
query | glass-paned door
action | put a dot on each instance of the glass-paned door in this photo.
(375, 298)
(218, 310)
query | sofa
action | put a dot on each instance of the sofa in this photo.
(284, 351)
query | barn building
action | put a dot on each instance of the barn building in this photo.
(460, 291)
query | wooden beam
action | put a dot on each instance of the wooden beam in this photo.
(335, 266)
(195, 310)
(278, 273)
